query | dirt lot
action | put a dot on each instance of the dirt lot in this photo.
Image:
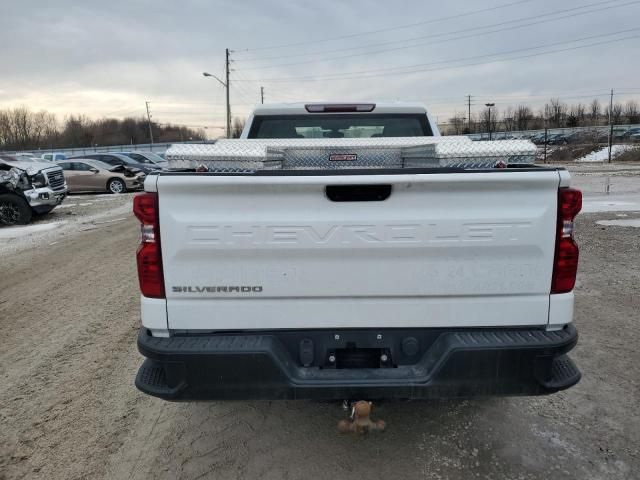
(68, 407)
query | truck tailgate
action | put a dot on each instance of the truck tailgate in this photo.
(274, 252)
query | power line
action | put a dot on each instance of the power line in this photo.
(190, 104)
(435, 35)
(389, 29)
(402, 70)
(562, 97)
(205, 127)
(244, 94)
(419, 65)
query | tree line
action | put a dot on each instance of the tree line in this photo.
(554, 114)
(24, 129)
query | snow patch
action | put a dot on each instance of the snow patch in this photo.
(629, 222)
(619, 203)
(602, 155)
(25, 230)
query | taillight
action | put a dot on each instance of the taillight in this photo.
(565, 265)
(149, 257)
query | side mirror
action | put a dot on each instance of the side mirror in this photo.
(94, 170)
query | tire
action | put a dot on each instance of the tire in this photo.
(14, 210)
(116, 186)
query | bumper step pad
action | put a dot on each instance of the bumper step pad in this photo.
(457, 363)
(152, 378)
(564, 374)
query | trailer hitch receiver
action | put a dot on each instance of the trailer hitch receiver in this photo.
(360, 421)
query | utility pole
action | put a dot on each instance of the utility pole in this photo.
(489, 105)
(261, 94)
(226, 51)
(469, 105)
(226, 86)
(149, 120)
(610, 124)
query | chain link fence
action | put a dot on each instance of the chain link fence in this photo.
(70, 152)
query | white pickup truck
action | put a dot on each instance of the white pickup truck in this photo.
(347, 251)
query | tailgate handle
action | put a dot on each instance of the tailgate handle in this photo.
(358, 193)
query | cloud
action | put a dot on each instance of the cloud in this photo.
(108, 58)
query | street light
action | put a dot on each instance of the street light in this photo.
(207, 74)
(226, 86)
(489, 105)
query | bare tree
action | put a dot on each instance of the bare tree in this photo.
(5, 129)
(575, 115)
(489, 119)
(238, 126)
(595, 111)
(555, 112)
(523, 117)
(22, 129)
(616, 113)
(581, 113)
(508, 118)
(632, 112)
(458, 122)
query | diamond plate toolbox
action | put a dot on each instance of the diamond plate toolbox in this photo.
(341, 153)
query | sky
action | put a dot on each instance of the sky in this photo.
(107, 58)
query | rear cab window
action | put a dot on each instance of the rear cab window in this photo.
(340, 126)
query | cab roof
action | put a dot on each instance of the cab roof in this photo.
(338, 107)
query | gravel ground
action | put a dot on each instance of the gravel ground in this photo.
(78, 213)
(68, 407)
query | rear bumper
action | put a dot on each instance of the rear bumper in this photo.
(268, 365)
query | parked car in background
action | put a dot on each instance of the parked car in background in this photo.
(631, 134)
(557, 139)
(53, 157)
(148, 158)
(115, 159)
(84, 175)
(28, 188)
(619, 133)
(537, 137)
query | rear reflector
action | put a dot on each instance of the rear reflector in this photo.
(148, 256)
(565, 266)
(339, 107)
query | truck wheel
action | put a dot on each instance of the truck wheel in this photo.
(14, 210)
(115, 185)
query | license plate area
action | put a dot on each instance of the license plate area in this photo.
(352, 357)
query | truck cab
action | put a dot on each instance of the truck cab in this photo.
(340, 120)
